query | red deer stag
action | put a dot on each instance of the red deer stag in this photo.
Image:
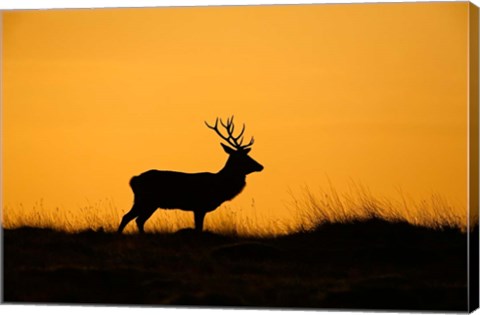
(198, 192)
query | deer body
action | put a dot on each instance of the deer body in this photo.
(184, 191)
(197, 192)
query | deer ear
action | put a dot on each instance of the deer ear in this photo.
(227, 149)
(247, 150)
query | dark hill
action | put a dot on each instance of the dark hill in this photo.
(370, 265)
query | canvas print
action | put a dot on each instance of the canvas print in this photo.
(285, 156)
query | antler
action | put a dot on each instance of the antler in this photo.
(236, 142)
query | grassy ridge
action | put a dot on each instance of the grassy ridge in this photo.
(369, 264)
(304, 211)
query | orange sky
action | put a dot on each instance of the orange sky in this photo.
(375, 93)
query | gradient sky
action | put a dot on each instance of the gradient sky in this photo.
(371, 93)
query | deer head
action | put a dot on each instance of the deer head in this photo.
(239, 161)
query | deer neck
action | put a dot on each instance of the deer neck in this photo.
(231, 182)
(231, 172)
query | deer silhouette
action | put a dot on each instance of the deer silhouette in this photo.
(197, 192)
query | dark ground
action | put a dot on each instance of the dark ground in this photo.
(364, 265)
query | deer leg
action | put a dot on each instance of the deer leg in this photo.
(144, 216)
(132, 214)
(199, 216)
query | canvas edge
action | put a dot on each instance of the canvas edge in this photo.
(473, 157)
(1, 158)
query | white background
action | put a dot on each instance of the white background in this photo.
(81, 310)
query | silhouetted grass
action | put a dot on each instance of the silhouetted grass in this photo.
(358, 204)
(370, 264)
(305, 211)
